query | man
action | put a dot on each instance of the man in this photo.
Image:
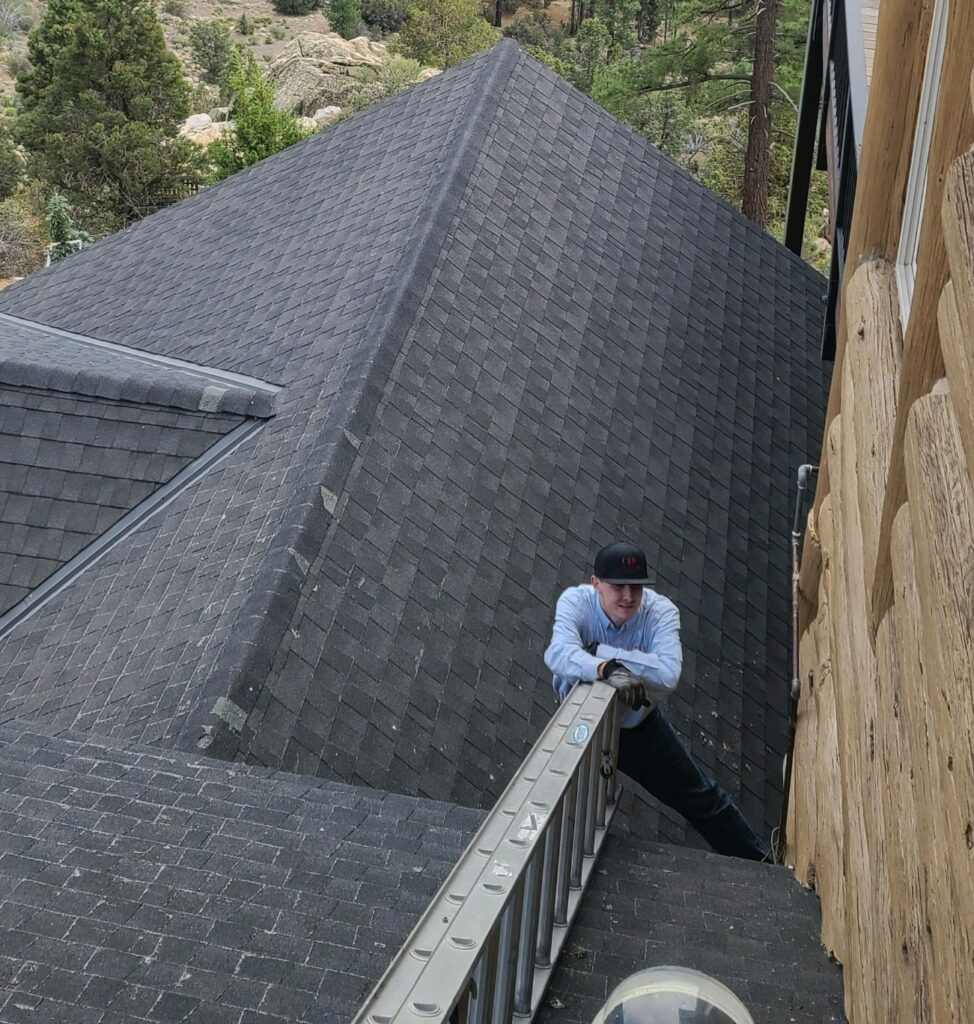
(618, 630)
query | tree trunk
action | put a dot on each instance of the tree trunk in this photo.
(757, 159)
(497, 14)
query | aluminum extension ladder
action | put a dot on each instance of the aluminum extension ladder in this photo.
(485, 949)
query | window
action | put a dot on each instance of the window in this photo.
(916, 186)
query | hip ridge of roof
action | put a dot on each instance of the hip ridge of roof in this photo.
(263, 622)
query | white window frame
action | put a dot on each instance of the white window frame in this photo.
(916, 187)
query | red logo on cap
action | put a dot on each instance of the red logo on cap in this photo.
(629, 560)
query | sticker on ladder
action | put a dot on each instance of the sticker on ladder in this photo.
(580, 734)
(530, 827)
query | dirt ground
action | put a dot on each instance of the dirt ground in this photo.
(559, 11)
(205, 10)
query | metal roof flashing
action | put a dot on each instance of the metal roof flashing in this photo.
(35, 355)
(125, 526)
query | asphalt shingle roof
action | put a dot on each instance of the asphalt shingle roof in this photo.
(505, 329)
(140, 886)
(71, 467)
(750, 926)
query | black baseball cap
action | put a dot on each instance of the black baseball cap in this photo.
(622, 563)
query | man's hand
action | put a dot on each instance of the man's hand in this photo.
(629, 687)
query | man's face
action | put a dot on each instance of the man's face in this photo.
(620, 601)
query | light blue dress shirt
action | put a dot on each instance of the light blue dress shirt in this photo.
(648, 644)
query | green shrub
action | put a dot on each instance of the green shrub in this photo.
(176, 8)
(385, 15)
(211, 46)
(295, 6)
(537, 29)
(203, 98)
(65, 237)
(259, 130)
(393, 76)
(245, 27)
(18, 64)
(343, 17)
(441, 33)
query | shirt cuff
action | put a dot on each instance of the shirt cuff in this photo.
(593, 674)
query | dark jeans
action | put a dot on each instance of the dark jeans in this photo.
(654, 756)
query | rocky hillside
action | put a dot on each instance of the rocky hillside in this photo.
(316, 73)
(318, 77)
(271, 31)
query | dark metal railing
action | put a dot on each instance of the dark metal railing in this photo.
(846, 94)
(164, 197)
(834, 95)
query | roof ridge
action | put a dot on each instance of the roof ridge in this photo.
(406, 289)
(243, 672)
(214, 374)
(32, 354)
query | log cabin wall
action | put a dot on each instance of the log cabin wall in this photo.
(881, 810)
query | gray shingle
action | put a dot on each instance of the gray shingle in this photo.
(749, 925)
(282, 917)
(71, 466)
(507, 329)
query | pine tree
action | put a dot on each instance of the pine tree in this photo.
(344, 16)
(442, 33)
(65, 237)
(757, 160)
(211, 46)
(101, 108)
(45, 45)
(259, 130)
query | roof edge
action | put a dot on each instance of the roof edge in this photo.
(37, 355)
